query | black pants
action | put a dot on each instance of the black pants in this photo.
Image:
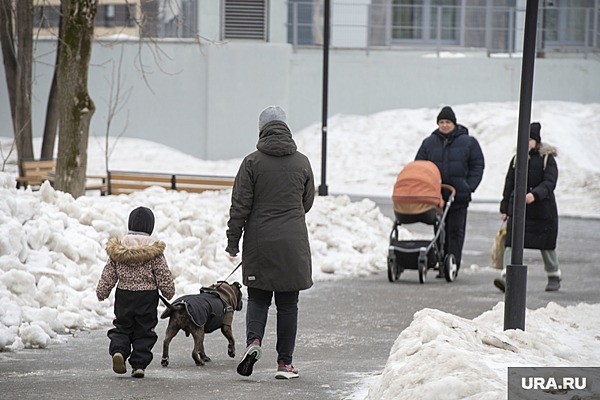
(456, 225)
(135, 320)
(259, 302)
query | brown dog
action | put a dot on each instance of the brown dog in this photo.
(203, 313)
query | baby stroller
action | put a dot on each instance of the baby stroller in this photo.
(419, 198)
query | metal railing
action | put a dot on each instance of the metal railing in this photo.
(493, 29)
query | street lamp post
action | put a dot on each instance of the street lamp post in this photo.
(516, 272)
(323, 187)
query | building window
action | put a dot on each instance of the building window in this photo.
(301, 22)
(425, 20)
(111, 15)
(245, 19)
(46, 16)
(564, 22)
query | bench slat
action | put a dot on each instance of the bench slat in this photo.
(135, 185)
(139, 178)
(200, 180)
(200, 189)
(38, 165)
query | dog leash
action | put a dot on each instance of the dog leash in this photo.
(166, 302)
(228, 276)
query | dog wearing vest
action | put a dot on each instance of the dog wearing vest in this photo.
(198, 314)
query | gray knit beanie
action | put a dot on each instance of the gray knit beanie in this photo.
(271, 113)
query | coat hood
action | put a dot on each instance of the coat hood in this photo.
(547, 149)
(134, 249)
(275, 139)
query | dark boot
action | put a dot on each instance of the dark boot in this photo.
(553, 284)
(500, 284)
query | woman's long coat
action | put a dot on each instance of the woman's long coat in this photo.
(541, 216)
(273, 190)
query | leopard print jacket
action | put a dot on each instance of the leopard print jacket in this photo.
(137, 262)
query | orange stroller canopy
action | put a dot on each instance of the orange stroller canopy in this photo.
(418, 188)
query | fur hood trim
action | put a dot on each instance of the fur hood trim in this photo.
(547, 149)
(133, 254)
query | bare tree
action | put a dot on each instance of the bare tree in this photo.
(16, 40)
(70, 107)
(115, 103)
(4, 157)
(75, 104)
(52, 109)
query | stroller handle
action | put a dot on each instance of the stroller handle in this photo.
(450, 188)
(452, 191)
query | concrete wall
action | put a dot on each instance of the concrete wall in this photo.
(204, 98)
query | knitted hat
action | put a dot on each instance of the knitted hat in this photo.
(271, 113)
(141, 220)
(534, 132)
(447, 113)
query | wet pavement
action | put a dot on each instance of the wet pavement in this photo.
(346, 331)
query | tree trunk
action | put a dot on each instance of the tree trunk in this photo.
(22, 121)
(52, 118)
(7, 41)
(52, 110)
(17, 70)
(76, 106)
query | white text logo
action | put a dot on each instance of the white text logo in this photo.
(566, 383)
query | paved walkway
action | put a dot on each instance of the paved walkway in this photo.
(347, 329)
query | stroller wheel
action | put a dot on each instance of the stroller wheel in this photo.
(450, 268)
(393, 270)
(422, 272)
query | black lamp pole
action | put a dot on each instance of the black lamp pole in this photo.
(516, 272)
(323, 186)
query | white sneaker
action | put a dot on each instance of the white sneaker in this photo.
(286, 371)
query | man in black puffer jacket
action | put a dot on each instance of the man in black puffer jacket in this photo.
(460, 161)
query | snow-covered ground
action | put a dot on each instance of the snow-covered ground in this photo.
(52, 246)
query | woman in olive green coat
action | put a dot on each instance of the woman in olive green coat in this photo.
(273, 190)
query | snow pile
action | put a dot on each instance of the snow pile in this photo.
(442, 356)
(52, 251)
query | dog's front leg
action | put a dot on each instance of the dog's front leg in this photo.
(198, 353)
(228, 333)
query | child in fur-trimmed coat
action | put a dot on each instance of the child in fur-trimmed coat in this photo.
(138, 267)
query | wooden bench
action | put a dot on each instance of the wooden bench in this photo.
(124, 182)
(35, 172)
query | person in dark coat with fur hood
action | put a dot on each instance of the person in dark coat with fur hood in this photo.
(541, 214)
(460, 160)
(137, 265)
(273, 190)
